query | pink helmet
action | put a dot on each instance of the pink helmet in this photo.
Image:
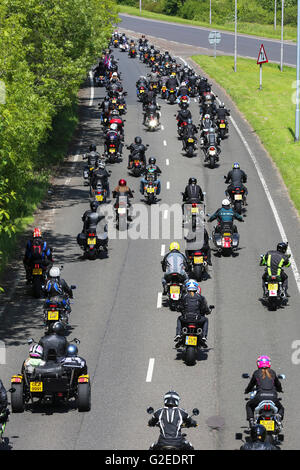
(36, 350)
(263, 362)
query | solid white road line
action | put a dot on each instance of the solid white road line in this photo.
(92, 88)
(150, 369)
(159, 300)
(163, 250)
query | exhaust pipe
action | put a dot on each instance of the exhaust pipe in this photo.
(282, 295)
(219, 250)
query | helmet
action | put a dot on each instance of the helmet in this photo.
(182, 84)
(72, 350)
(236, 165)
(222, 105)
(184, 106)
(54, 271)
(225, 203)
(263, 362)
(192, 285)
(122, 182)
(138, 140)
(101, 165)
(166, 52)
(152, 161)
(37, 233)
(192, 180)
(174, 246)
(113, 127)
(36, 350)
(190, 121)
(93, 148)
(115, 75)
(171, 399)
(207, 116)
(282, 247)
(258, 433)
(58, 328)
(94, 206)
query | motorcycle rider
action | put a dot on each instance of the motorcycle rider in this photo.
(170, 419)
(113, 135)
(222, 112)
(225, 214)
(266, 383)
(90, 220)
(192, 192)
(136, 149)
(100, 173)
(172, 83)
(105, 108)
(183, 91)
(36, 250)
(236, 177)
(35, 358)
(174, 262)
(123, 190)
(153, 169)
(274, 262)
(151, 109)
(57, 286)
(189, 131)
(54, 341)
(258, 435)
(183, 114)
(142, 81)
(73, 361)
(194, 308)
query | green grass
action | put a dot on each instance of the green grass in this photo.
(255, 29)
(35, 189)
(270, 112)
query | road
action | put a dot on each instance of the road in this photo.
(247, 46)
(117, 314)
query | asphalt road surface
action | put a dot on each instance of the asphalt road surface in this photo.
(247, 46)
(117, 313)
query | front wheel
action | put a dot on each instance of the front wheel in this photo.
(190, 355)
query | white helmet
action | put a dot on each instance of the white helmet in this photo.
(54, 271)
(182, 84)
(114, 127)
(225, 202)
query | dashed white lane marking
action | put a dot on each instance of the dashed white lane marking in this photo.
(162, 127)
(150, 369)
(92, 89)
(168, 184)
(167, 162)
(163, 250)
(166, 214)
(159, 300)
(165, 143)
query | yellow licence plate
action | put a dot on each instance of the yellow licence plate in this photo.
(272, 286)
(36, 386)
(238, 197)
(112, 150)
(268, 424)
(121, 106)
(191, 340)
(163, 88)
(174, 290)
(226, 234)
(91, 241)
(190, 141)
(198, 259)
(150, 190)
(53, 315)
(37, 272)
(142, 91)
(222, 126)
(194, 210)
(99, 198)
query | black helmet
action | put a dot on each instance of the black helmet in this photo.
(152, 161)
(258, 433)
(282, 247)
(94, 206)
(138, 140)
(192, 180)
(184, 106)
(58, 328)
(72, 350)
(171, 399)
(93, 148)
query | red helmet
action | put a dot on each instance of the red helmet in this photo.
(122, 182)
(37, 233)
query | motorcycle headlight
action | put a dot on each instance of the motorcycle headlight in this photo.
(153, 123)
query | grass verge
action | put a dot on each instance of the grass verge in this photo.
(52, 152)
(253, 29)
(270, 112)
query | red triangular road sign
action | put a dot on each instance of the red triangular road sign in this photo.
(262, 56)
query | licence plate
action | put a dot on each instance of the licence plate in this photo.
(198, 259)
(238, 197)
(190, 141)
(227, 234)
(37, 272)
(91, 241)
(273, 287)
(222, 126)
(163, 88)
(142, 91)
(175, 290)
(112, 150)
(122, 210)
(36, 386)
(150, 190)
(194, 210)
(191, 340)
(268, 424)
(53, 315)
(99, 198)
(121, 107)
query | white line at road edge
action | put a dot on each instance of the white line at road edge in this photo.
(268, 194)
(159, 300)
(150, 369)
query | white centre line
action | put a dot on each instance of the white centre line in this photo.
(163, 250)
(159, 300)
(150, 369)
(162, 127)
(166, 214)
(168, 184)
(167, 162)
(165, 143)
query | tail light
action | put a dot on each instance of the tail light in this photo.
(222, 120)
(36, 266)
(199, 253)
(192, 326)
(91, 234)
(194, 204)
(212, 148)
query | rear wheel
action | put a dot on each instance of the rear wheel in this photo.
(238, 207)
(84, 397)
(37, 286)
(212, 162)
(198, 272)
(190, 355)
(17, 399)
(190, 151)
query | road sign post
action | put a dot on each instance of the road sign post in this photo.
(262, 59)
(214, 38)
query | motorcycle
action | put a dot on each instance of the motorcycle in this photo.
(132, 53)
(211, 156)
(99, 194)
(191, 336)
(266, 414)
(198, 263)
(175, 287)
(150, 189)
(91, 243)
(226, 240)
(122, 212)
(141, 93)
(150, 411)
(163, 92)
(115, 43)
(180, 128)
(152, 121)
(275, 294)
(38, 278)
(222, 128)
(56, 308)
(237, 198)
(123, 47)
(190, 146)
(100, 81)
(171, 98)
